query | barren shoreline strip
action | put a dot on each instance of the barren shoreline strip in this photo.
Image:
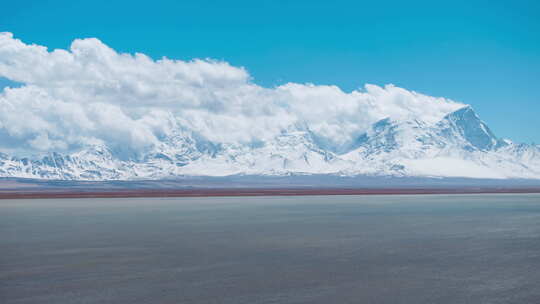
(18, 194)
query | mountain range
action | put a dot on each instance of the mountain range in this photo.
(459, 145)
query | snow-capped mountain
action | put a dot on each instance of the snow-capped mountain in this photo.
(459, 145)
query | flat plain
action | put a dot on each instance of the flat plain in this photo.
(460, 248)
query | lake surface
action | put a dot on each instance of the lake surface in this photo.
(317, 249)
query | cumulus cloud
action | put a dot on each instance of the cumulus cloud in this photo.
(92, 94)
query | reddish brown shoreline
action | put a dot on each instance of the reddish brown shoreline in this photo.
(18, 194)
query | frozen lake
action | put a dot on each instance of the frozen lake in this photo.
(312, 249)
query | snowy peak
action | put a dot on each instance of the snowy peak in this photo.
(382, 137)
(409, 138)
(468, 125)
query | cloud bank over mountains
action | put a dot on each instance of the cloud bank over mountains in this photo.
(91, 94)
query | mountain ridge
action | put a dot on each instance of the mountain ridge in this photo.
(459, 145)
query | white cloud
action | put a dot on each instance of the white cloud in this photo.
(92, 94)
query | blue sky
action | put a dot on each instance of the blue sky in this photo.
(484, 53)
